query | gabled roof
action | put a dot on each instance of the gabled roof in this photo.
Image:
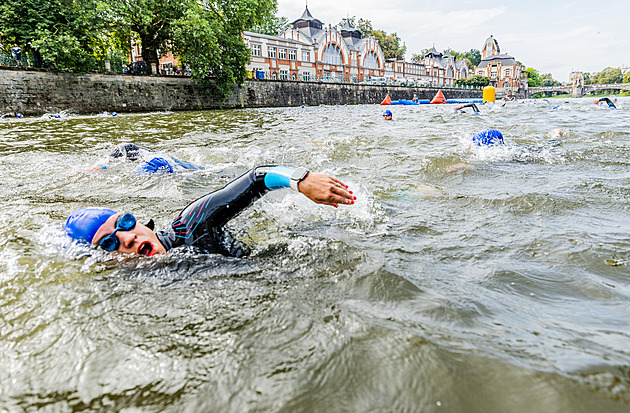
(504, 59)
(433, 53)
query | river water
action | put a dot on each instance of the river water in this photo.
(499, 285)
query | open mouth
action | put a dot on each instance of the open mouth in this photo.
(146, 249)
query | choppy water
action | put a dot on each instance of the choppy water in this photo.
(502, 286)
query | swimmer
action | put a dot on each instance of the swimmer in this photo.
(415, 98)
(387, 115)
(11, 115)
(460, 109)
(156, 164)
(607, 100)
(201, 224)
(488, 137)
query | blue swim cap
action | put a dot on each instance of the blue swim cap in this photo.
(387, 112)
(84, 222)
(155, 165)
(19, 115)
(488, 137)
(114, 113)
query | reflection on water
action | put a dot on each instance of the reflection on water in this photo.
(498, 286)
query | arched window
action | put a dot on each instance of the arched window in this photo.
(332, 55)
(449, 73)
(371, 61)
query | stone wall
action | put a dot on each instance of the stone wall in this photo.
(37, 92)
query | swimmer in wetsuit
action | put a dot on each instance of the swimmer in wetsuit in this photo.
(459, 109)
(201, 224)
(156, 164)
(607, 100)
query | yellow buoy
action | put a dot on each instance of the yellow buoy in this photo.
(488, 94)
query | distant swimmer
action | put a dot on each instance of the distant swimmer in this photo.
(415, 98)
(11, 115)
(201, 224)
(460, 109)
(607, 100)
(387, 115)
(151, 163)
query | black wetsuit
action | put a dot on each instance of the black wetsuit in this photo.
(607, 100)
(201, 223)
(469, 105)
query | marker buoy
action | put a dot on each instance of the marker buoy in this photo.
(438, 98)
(387, 100)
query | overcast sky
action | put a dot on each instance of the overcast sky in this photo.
(550, 36)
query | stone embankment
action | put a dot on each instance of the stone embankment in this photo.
(38, 92)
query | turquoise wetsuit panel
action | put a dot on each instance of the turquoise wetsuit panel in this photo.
(278, 177)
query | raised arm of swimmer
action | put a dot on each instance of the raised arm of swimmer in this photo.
(201, 223)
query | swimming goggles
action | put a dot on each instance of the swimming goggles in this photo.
(125, 222)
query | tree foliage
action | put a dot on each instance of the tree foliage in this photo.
(533, 78)
(56, 33)
(391, 44)
(476, 80)
(208, 38)
(271, 25)
(608, 75)
(626, 78)
(547, 79)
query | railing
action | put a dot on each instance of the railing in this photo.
(381, 81)
(100, 66)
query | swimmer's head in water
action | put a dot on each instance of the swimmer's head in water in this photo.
(387, 115)
(155, 165)
(83, 223)
(488, 137)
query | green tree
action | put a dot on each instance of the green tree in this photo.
(271, 25)
(608, 75)
(153, 22)
(59, 33)
(533, 78)
(390, 43)
(363, 25)
(547, 79)
(626, 78)
(476, 80)
(419, 57)
(474, 56)
(208, 38)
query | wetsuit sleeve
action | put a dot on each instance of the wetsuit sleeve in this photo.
(201, 223)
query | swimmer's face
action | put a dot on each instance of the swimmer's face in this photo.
(138, 240)
(387, 117)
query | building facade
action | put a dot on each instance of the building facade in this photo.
(505, 74)
(308, 50)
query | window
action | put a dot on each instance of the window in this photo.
(291, 54)
(371, 61)
(282, 53)
(332, 55)
(306, 56)
(255, 50)
(274, 75)
(507, 72)
(293, 76)
(272, 52)
(284, 75)
(306, 76)
(493, 73)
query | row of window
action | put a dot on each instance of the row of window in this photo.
(276, 52)
(494, 73)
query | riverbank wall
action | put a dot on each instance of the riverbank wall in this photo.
(34, 92)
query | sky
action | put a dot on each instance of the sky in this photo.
(550, 36)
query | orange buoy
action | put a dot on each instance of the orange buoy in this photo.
(387, 100)
(439, 98)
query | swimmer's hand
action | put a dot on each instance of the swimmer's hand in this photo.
(324, 189)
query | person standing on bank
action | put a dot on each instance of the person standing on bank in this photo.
(17, 51)
(201, 223)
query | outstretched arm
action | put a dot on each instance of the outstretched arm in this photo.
(324, 189)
